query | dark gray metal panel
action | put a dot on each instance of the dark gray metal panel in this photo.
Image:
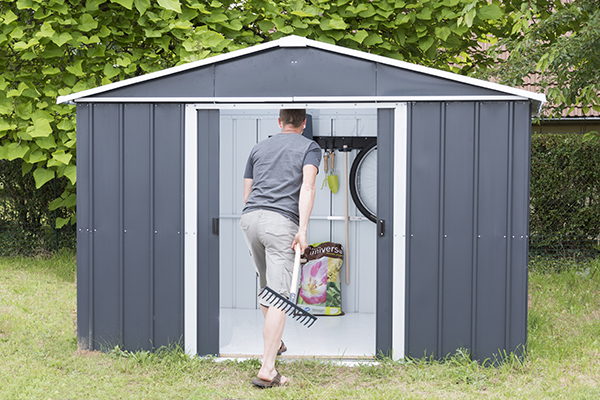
(517, 329)
(385, 245)
(137, 224)
(459, 170)
(168, 224)
(393, 81)
(424, 229)
(295, 72)
(105, 224)
(208, 241)
(301, 71)
(84, 209)
(493, 208)
(193, 83)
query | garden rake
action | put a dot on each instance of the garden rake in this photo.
(289, 306)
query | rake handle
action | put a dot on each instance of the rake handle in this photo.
(295, 273)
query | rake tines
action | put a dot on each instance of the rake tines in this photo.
(288, 307)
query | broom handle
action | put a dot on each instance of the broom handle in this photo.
(346, 217)
(295, 273)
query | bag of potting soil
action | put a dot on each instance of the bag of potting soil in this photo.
(320, 290)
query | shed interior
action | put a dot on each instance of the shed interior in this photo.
(351, 335)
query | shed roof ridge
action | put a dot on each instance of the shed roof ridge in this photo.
(298, 41)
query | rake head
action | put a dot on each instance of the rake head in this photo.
(288, 307)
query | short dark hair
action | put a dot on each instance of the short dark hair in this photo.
(293, 117)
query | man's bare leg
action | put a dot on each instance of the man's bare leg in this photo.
(272, 332)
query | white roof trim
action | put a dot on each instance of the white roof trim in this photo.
(296, 100)
(296, 41)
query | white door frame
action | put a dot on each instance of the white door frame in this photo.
(191, 213)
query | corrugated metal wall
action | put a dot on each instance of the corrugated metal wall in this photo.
(130, 279)
(467, 219)
(467, 226)
(240, 130)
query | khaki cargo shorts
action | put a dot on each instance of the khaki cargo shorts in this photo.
(269, 236)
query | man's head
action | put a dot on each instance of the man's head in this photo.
(292, 117)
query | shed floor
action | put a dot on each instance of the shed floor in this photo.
(350, 336)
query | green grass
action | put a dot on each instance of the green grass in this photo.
(39, 356)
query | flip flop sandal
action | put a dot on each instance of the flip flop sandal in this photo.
(268, 384)
(282, 348)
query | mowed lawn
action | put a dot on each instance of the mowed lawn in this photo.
(39, 357)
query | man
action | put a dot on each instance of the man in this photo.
(279, 192)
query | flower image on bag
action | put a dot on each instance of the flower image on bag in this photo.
(313, 287)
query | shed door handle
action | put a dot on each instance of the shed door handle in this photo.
(381, 227)
(215, 226)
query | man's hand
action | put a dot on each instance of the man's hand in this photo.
(300, 238)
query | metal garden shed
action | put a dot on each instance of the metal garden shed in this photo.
(448, 255)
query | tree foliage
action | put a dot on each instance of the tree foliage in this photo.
(56, 47)
(565, 185)
(561, 48)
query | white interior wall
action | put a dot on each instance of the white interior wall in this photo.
(240, 130)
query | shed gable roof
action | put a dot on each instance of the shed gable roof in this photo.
(300, 69)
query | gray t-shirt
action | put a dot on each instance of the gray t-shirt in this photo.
(275, 164)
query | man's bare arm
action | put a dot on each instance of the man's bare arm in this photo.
(305, 205)
(247, 188)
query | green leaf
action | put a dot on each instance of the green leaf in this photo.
(36, 156)
(18, 91)
(62, 38)
(469, 17)
(76, 68)
(48, 70)
(442, 32)
(62, 157)
(71, 200)
(46, 142)
(87, 23)
(210, 39)
(337, 23)
(490, 11)
(25, 168)
(266, 26)
(41, 114)
(9, 17)
(128, 4)
(372, 39)
(217, 17)
(172, 5)
(23, 110)
(426, 42)
(301, 13)
(369, 12)
(360, 36)
(425, 14)
(71, 173)
(40, 128)
(110, 71)
(142, 5)
(46, 30)
(56, 203)
(41, 176)
(15, 150)
(6, 126)
(60, 222)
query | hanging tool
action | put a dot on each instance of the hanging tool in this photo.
(289, 306)
(331, 178)
(346, 217)
(326, 168)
